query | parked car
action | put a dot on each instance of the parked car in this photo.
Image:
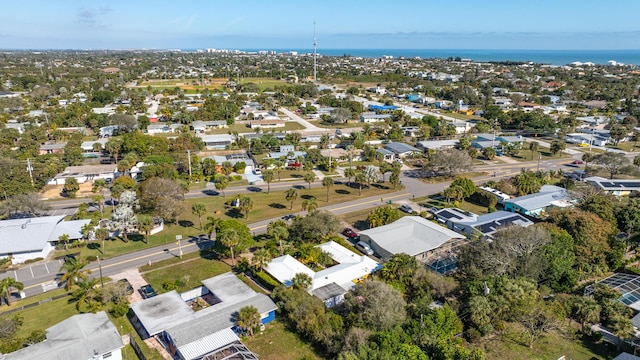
(288, 217)
(127, 284)
(364, 247)
(578, 162)
(348, 232)
(147, 291)
(257, 171)
(406, 208)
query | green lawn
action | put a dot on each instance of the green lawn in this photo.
(525, 155)
(190, 272)
(243, 128)
(266, 206)
(438, 201)
(628, 146)
(322, 124)
(358, 219)
(439, 179)
(551, 346)
(33, 299)
(279, 343)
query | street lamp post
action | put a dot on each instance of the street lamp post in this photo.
(100, 269)
(179, 240)
(539, 158)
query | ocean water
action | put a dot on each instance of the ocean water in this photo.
(551, 57)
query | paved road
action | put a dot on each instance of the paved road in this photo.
(37, 275)
(308, 127)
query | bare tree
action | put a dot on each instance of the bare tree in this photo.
(450, 162)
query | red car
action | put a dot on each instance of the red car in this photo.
(349, 233)
(578, 162)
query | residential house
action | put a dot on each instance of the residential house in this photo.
(412, 235)
(628, 285)
(52, 148)
(586, 139)
(616, 187)
(202, 126)
(153, 129)
(437, 144)
(484, 225)
(535, 205)
(288, 152)
(84, 173)
(401, 150)
(374, 118)
(528, 107)
(87, 146)
(266, 124)
(217, 142)
(80, 337)
(190, 332)
(31, 238)
(329, 284)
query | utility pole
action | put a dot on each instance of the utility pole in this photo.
(100, 267)
(315, 53)
(539, 158)
(179, 239)
(189, 156)
(30, 170)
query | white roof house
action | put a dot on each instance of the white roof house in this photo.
(32, 238)
(536, 204)
(350, 269)
(193, 334)
(617, 187)
(84, 173)
(411, 235)
(80, 337)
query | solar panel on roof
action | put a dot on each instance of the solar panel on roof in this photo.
(448, 215)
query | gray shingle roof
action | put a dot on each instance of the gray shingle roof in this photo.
(79, 337)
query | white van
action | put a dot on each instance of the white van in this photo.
(364, 247)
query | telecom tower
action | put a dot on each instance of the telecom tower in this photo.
(315, 46)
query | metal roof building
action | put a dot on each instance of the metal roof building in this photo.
(80, 337)
(412, 235)
(193, 334)
(32, 238)
(535, 204)
(617, 187)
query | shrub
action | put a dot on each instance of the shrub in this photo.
(91, 258)
(472, 335)
(119, 309)
(492, 209)
(236, 177)
(169, 285)
(266, 280)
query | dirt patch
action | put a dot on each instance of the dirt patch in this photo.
(55, 191)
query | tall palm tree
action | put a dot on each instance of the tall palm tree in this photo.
(328, 183)
(74, 271)
(268, 176)
(279, 231)
(261, 257)
(360, 179)
(349, 173)
(87, 298)
(622, 328)
(310, 204)
(230, 238)
(587, 310)
(145, 224)
(291, 195)
(6, 285)
(309, 177)
(211, 226)
(248, 318)
(246, 205)
(198, 209)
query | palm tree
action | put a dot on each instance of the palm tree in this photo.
(198, 209)
(622, 328)
(64, 238)
(87, 298)
(309, 177)
(113, 147)
(6, 285)
(279, 165)
(101, 235)
(533, 147)
(291, 196)
(230, 238)
(211, 226)
(587, 310)
(221, 183)
(310, 204)
(246, 205)
(328, 183)
(145, 224)
(360, 179)
(268, 177)
(248, 318)
(74, 271)
(349, 173)
(261, 257)
(301, 281)
(279, 231)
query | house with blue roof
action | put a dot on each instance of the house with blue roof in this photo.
(536, 205)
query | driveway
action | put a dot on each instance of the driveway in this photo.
(135, 279)
(295, 117)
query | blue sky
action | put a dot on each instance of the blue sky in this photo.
(344, 24)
